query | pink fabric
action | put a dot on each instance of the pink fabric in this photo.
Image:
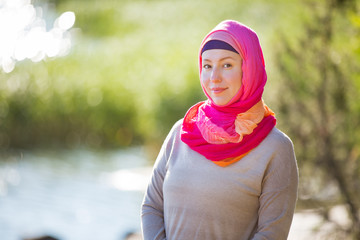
(213, 130)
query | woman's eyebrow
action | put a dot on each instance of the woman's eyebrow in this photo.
(221, 59)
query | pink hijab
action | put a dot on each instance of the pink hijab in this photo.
(224, 134)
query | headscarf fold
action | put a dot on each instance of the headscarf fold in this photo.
(224, 134)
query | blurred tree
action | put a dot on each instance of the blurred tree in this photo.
(319, 100)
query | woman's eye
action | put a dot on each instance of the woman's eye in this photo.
(227, 65)
(206, 66)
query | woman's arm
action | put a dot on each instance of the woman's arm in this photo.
(152, 214)
(152, 218)
(279, 194)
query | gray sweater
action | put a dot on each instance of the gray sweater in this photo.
(189, 197)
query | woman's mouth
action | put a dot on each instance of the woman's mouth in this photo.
(217, 90)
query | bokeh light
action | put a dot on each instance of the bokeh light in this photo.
(24, 34)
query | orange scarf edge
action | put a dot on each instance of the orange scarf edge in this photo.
(228, 161)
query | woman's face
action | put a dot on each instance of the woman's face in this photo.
(221, 75)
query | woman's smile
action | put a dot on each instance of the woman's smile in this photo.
(218, 90)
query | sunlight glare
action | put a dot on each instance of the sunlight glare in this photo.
(128, 179)
(24, 35)
(66, 20)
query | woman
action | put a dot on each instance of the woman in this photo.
(224, 171)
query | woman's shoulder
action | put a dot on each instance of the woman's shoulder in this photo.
(176, 127)
(277, 138)
(178, 124)
(175, 131)
(277, 149)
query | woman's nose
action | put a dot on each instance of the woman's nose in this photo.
(215, 75)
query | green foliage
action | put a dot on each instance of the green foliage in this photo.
(319, 100)
(132, 72)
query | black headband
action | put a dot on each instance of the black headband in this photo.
(217, 44)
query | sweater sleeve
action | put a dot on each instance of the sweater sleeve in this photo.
(279, 193)
(152, 214)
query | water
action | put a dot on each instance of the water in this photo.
(82, 194)
(72, 195)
